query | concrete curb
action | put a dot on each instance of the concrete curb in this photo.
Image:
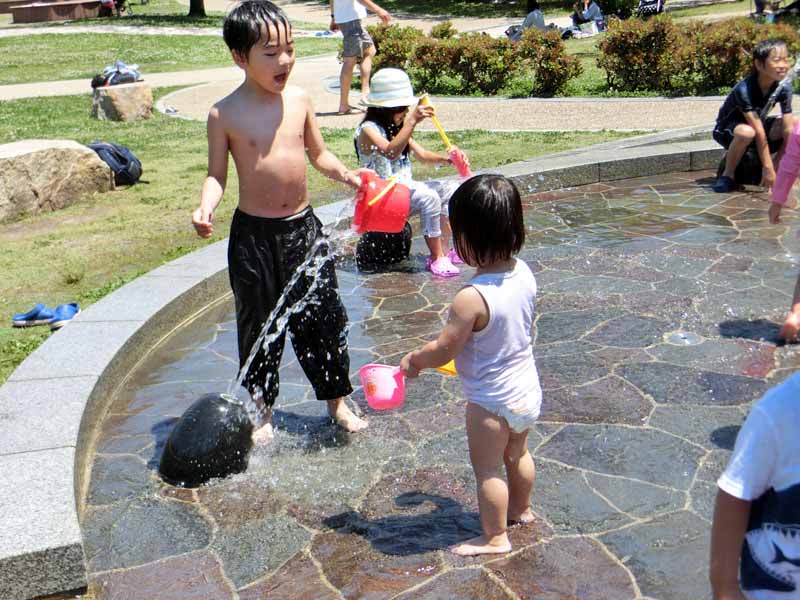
(53, 403)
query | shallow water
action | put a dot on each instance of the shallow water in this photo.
(656, 328)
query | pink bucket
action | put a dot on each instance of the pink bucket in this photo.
(384, 386)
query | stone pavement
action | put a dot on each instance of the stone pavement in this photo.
(652, 340)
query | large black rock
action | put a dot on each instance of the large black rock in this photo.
(213, 438)
(377, 249)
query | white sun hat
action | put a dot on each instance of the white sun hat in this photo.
(390, 88)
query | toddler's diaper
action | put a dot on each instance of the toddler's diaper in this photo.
(520, 415)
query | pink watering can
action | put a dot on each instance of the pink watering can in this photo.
(384, 386)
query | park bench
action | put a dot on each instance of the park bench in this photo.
(35, 12)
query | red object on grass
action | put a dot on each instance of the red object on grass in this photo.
(386, 214)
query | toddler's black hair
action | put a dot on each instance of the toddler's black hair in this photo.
(486, 218)
(532, 6)
(384, 117)
(245, 24)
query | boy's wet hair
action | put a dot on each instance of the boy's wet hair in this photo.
(763, 48)
(486, 218)
(249, 21)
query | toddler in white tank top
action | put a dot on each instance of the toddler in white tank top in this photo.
(488, 333)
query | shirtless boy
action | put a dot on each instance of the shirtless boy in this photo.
(268, 127)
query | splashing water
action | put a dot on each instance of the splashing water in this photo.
(319, 254)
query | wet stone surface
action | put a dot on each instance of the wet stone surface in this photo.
(634, 431)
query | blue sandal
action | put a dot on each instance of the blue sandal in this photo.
(63, 314)
(38, 315)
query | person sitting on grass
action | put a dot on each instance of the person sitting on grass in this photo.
(743, 120)
(755, 538)
(587, 11)
(534, 18)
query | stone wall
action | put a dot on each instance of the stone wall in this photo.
(46, 175)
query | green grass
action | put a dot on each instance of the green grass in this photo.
(83, 252)
(713, 9)
(84, 55)
(156, 13)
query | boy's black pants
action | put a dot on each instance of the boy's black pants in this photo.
(263, 255)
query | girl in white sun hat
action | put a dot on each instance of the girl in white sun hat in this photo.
(383, 143)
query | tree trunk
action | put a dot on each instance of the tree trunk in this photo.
(197, 8)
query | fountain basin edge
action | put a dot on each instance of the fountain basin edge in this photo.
(52, 404)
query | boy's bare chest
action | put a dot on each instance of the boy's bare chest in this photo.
(267, 135)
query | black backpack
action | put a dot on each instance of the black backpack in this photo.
(127, 168)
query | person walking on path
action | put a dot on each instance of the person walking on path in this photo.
(358, 47)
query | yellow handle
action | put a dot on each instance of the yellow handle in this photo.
(448, 369)
(392, 181)
(446, 141)
(424, 101)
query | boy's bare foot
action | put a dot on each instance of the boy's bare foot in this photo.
(525, 517)
(480, 545)
(344, 417)
(264, 434)
(790, 329)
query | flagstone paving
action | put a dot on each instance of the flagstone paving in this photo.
(656, 329)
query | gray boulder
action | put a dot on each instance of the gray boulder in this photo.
(45, 175)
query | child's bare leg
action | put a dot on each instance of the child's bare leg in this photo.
(743, 135)
(791, 325)
(345, 79)
(344, 417)
(488, 436)
(434, 247)
(521, 473)
(365, 67)
(447, 232)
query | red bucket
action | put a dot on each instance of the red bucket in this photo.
(381, 205)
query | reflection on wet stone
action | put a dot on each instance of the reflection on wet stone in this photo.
(193, 576)
(565, 568)
(633, 435)
(669, 384)
(663, 555)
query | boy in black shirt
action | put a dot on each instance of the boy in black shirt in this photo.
(743, 117)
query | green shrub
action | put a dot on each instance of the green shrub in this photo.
(639, 54)
(475, 64)
(444, 31)
(716, 56)
(660, 56)
(394, 44)
(430, 65)
(484, 64)
(545, 63)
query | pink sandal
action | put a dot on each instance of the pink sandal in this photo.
(454, 257)
(441, 267)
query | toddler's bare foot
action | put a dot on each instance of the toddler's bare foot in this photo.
(345, 418)
(480, 545)
(526, 517)
(263, 435)
(790, 329)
